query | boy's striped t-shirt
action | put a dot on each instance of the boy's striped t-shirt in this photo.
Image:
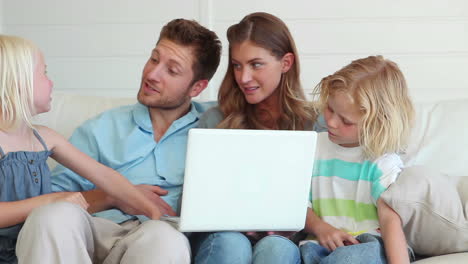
(345, 186)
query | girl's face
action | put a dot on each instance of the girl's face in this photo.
(342, 117)
(42, 86)
(257, 72)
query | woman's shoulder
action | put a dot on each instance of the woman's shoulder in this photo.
(211, 118)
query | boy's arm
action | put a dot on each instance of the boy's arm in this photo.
(392, 234)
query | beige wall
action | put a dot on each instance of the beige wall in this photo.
(99, 47)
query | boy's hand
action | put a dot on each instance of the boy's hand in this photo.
(332, 238)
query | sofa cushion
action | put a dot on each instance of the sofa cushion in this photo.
(68, 111)
(438, 138)
(446, 259)
(433, 209)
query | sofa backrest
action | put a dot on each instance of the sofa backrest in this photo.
(439, 139)
(68, 111)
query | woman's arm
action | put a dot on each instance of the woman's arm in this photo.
(16, 212)
(392, 234)
(327, 235)
(103, 177)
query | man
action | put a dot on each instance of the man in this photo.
(146, 143)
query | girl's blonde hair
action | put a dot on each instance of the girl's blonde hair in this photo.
(268, 32)
(378, 87)
(17, 62)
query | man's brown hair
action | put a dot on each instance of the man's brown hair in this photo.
(204, 42)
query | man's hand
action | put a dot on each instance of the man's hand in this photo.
(151, 192)
(331, 237)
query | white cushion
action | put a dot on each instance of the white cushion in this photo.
(440, 137)
(69, 111)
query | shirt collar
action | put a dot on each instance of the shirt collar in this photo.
(142, 117)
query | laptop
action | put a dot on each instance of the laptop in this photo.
(246, 180)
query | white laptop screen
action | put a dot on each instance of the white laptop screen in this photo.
(247, 180)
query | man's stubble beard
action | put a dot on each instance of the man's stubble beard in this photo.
(164, 103)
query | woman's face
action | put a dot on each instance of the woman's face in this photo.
(257, 72)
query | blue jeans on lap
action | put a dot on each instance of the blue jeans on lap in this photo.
(235, 247)
(276, 249)
(369, 251)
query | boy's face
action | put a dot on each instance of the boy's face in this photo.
(167, 77)
(342, 118)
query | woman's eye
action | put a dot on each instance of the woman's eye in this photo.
(256, 64)
(236, 66)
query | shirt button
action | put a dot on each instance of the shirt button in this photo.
(34, 174)
(36, 180)
(31, 161)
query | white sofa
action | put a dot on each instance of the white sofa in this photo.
(440, 136)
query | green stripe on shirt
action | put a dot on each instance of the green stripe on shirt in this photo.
(348, 208)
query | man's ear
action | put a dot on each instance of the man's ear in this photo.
(287, 61)
(198, 87)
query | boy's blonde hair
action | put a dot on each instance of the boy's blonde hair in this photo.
(17, 62)
(378, 88)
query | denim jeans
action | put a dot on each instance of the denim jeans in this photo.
(276, 249)
(369, 251)
(234, 247)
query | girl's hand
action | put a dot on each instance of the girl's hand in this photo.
(71, 197)
(331, 237)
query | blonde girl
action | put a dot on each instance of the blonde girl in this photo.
(25, 91)
(368, 113)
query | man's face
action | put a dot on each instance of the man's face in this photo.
(167, 77)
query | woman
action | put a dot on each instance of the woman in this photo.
(261, 90)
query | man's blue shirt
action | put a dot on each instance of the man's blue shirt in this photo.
(123, 139)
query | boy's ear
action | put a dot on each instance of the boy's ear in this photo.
(198, 87)
(287, 62)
